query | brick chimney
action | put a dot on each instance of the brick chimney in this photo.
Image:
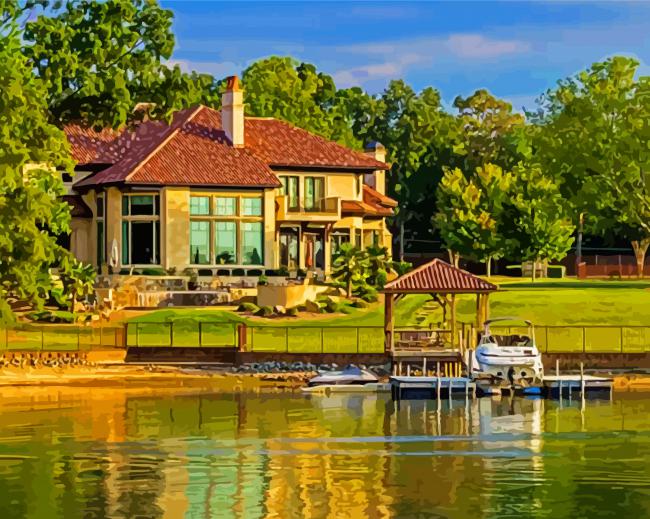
(376, 179)
(232, 112)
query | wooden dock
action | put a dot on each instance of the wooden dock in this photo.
(430, 387)
(566, 385)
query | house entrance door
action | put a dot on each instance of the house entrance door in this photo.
(289, 248)
(315, 250)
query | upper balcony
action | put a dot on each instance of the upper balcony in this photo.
(324, 210)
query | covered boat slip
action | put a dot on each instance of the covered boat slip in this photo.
(444, 283)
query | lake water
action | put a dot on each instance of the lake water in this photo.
(93, 452)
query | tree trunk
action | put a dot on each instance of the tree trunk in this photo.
(454, 258)
(349, 289)
(640, 248)
(488, 266)
(401, 241)
(533, 271)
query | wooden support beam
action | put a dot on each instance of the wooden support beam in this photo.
(453, 320)
(389, 325)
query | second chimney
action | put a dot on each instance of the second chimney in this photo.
(232, 112)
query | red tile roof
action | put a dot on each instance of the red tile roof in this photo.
(440, 277)
(280, 144)
(374, 204)
(193, 149)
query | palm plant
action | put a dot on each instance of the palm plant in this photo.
(380, 264)
(350, 267)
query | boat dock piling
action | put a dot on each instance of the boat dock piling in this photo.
(430, 386)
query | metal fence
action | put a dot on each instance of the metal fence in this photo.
(182, 333)
(586, 339)
(53, 338)
(315, 339)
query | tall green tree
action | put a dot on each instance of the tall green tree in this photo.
(296, 92)
(31, 151)
(540, 228)
(98, 60)
(471, 215)
(491, 133)
(591, 135)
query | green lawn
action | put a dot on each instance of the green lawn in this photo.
(557, 302)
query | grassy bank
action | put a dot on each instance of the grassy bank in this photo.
(558, 302)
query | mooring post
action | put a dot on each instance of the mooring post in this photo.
(408, 370)
(438, 380)
(582, 380)
(557, 367)
(424, 366)
(400, 368)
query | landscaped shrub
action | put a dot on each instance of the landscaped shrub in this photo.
(360, 303)
(46, 316)
(283, 271)
(270, 272)
(366, 292)
(255, 272)
(332, 306)
(223, 272)
(265, 311)
(238, 272)
(262, 280)
(292, 311)
(205, 272)
(248, 307)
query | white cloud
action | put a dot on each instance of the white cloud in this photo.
(399, 55)
(476, 46)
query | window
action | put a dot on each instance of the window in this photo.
(358, 239)
(225, 242)
(200, 205)
(314, 194)
(338, 238)
(290, 189)
(100, 205)
(251, 207)
(199, 242)
(226, 229)
(289, 247)
(251, 247)
(225, 206)
(139, 205)
(140, 229)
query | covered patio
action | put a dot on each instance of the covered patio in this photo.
(444, 283)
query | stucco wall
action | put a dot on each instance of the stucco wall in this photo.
(288, 295)
(175, 227)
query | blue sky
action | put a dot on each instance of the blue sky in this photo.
(515, 49)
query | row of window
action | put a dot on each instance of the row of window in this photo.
(225, 206)
(226, 243)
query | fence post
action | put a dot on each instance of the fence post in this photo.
(137, 327)
(171, 333)
(200, 334)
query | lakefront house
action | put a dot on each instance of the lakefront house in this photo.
(216, 190)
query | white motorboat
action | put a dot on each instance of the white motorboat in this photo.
(508, 360)
(351, 379)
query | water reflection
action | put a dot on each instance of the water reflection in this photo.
(119, 453)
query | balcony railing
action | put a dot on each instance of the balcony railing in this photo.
(325, 209)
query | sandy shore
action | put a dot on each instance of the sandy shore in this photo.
(125, 375)
(143, 376)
